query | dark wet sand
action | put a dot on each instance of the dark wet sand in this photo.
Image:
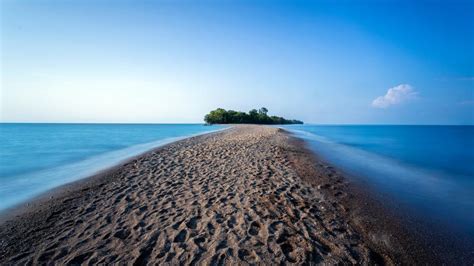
(247, 195)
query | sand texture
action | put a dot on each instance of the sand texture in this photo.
(223, 198)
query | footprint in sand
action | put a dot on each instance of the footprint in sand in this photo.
(181, 236)
(192, 223)
(254, 228)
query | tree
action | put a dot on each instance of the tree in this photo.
(217, 116)
(253, 115)
(221, 116)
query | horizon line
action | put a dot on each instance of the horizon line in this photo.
(197, 123)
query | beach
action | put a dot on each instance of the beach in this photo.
(246, 195)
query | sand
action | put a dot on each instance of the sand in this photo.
(246, 195)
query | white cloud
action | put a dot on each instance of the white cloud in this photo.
(395, 95)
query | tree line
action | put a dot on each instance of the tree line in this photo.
(254, 116)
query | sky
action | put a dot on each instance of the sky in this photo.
(324, 62)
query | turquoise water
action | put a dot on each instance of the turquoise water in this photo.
(426, 169)
(38, 157)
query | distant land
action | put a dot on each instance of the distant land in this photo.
(254, 116)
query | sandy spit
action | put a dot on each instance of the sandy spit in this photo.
(247, 195)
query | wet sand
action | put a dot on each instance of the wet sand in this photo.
(247, 195)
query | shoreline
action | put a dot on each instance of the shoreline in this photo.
(332, 189)
(384, 228)
(394, 228)
(51, 192)
(62, 190)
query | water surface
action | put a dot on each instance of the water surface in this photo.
(427, 169)
(38, 157)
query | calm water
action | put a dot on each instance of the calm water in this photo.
(428, 169)
(38, 157)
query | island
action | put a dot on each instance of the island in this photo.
(222, 116)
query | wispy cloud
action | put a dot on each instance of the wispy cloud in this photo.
(395, 95)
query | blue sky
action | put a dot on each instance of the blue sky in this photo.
(369, 62)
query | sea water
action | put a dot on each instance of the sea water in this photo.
(37, 157)
(426, 169)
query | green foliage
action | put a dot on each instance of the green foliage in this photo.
(221, 116)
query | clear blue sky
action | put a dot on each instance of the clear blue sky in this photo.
(376, 62)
